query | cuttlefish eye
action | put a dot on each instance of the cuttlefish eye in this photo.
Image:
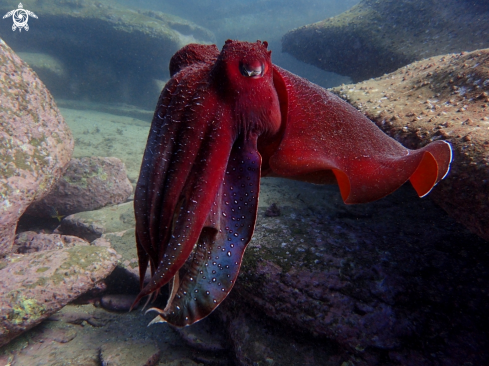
(252, 69)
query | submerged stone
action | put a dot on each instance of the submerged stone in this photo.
(376, 37)
(36, 285)
(35, 142)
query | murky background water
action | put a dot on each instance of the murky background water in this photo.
(258, 20)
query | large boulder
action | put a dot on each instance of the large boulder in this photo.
(376, 283)
(88, 184)
(35, 142)
(36, 285)
(379, 36)
(259, 340)
(105, 52)
(443, 97)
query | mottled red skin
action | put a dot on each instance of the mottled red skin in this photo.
(223, 121)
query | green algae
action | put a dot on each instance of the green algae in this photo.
(36, 142)
(42, 281)
(21, 160)
(25, 309)
(82, 180)
(123, 243)
(79, 258)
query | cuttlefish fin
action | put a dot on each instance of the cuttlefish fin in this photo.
(326, 140)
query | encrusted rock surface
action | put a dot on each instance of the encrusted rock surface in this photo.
(88, 184)
(109, 227)
(379, 36)
(443, 97)
(30, 241)
(260, 341)
(109, 53)
(91, 225)
(35, 142)
(392, 280)
(36, 285)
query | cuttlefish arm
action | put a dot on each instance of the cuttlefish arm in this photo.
(197, 195)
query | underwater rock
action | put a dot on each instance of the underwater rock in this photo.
(443, 97)
(376, 37)
(91, 225)
(110, 53)
(36, 285)
(35, 142)
(77, 315)
(372, 279)
(111, 227)
(261, 341)
(88, 184)
(30, 241)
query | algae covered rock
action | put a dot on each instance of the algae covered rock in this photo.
(370, 279)
(108, 53)
(36, 285)
(379, 36)
(91, 225)
(30, 241)
(88, 184)
(111, 227)
(35, 142)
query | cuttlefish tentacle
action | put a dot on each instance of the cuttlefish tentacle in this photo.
(213, 269)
